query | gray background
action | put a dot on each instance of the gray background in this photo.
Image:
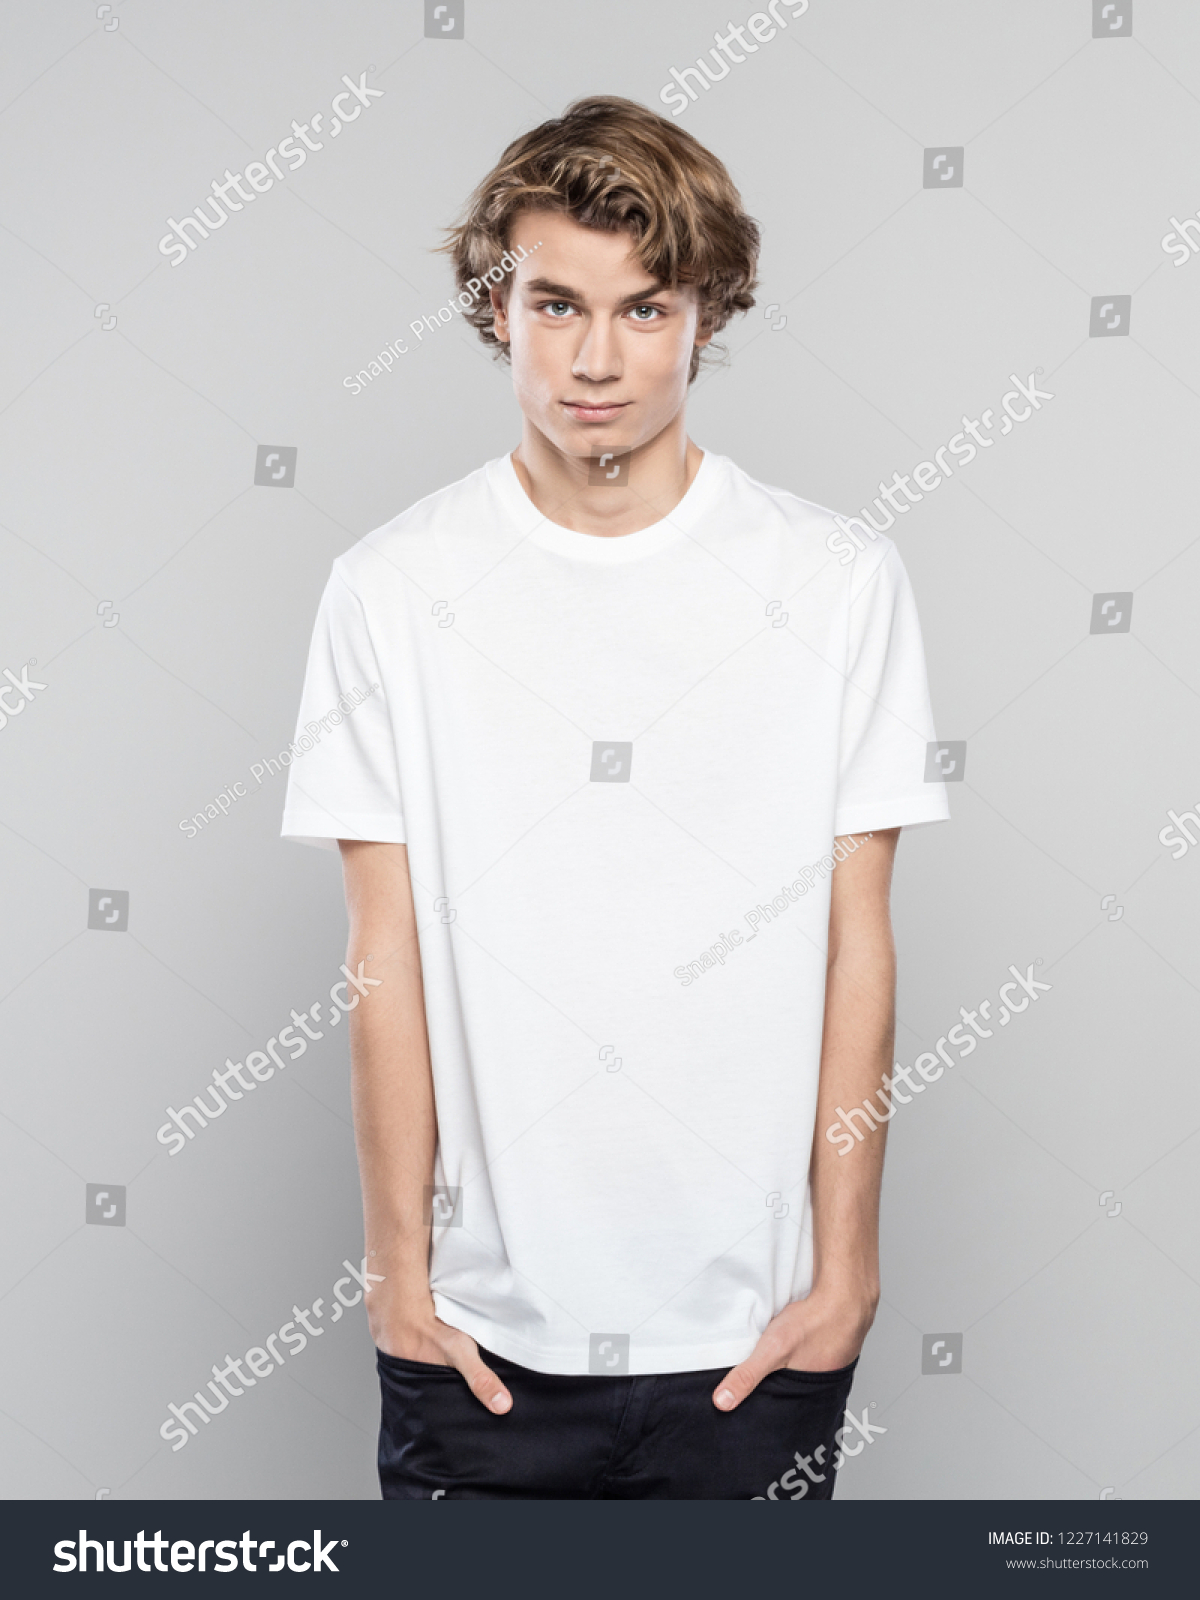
(127, 459)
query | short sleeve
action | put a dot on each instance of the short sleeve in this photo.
(887, 724)
(343, 782)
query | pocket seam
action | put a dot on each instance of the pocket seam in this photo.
(816, 1377)
(408, 1361)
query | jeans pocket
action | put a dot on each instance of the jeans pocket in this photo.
(835, 1375)
(404, 1364)
(420, 1416)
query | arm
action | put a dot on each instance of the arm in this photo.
(826, 1330)
(395, 1119)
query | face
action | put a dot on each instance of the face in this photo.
(600, 352)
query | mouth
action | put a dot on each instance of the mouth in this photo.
(584, 411)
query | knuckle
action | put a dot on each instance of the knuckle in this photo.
(460, 1348)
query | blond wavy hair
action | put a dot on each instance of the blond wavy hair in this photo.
(616, 166)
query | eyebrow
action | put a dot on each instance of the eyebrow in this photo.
(564, 291)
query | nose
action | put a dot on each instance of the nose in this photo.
(597, 359)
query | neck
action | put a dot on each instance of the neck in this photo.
(654, 479)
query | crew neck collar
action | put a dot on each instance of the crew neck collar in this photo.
(609, 548)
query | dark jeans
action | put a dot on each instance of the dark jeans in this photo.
(606, 1438)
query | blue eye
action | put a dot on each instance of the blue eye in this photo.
(555, 306)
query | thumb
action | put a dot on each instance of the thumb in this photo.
(481, 1380)
(741, 1381)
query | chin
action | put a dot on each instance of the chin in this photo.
(585, 439)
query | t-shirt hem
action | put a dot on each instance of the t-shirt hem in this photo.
(316, 829)
(867, 818)
(726, 1352)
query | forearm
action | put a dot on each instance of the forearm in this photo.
(395, 1123)
(395, 1120)
(825, 1331)
(856, 1054)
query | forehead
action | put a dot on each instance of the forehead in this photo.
(569, 253)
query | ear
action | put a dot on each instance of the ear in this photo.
(499, 315)
(704, 329)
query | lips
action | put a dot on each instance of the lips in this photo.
(586, 411)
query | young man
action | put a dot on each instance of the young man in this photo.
(621, 703)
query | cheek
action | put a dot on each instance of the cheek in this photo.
(672, 352)
(667, 361)
(529, 359)
(539, 356)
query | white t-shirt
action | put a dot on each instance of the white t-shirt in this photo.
(612, 760)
